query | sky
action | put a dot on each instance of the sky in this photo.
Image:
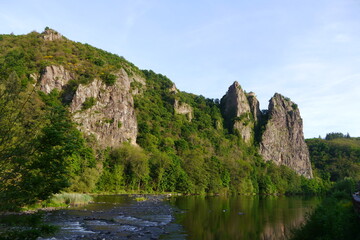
(306, 50)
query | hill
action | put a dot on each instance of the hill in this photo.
(77, 118)
(336, 158)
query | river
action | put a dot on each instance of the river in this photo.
(242, 217)
(182, 217)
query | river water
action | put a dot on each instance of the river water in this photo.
(242, 217)
(182, 217)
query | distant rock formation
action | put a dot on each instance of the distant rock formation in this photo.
(51, 35)
(173, 89)
(237, 113)
(283, 139)
(183, 108)
(54, 77)
(254, 106)
(111, 119)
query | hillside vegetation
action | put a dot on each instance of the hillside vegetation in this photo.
(336, 157)
(42, 152)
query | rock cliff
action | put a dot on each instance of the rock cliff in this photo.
(237, 113)
(283, 140)
(51, 35)
(112, 118)
(105, 112)
(54, 77)
(183, 108)
(254, 106)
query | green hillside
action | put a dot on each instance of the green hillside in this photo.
(336, 157)
(42, 152)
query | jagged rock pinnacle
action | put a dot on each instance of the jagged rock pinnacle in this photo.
(283, 139)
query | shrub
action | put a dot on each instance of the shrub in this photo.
(334, 218)
(108, 78)
(99, 62)
(70, 199)
(88, 103)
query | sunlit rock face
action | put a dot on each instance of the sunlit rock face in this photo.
(283, 139)
(51, 35)
(236, 111)
(254, 106)
(184, 109)
(54, 77)
(279, 131)
(111, 118)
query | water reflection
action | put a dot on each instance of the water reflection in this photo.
(241, 217)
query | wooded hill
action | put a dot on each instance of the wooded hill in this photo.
(182, 144)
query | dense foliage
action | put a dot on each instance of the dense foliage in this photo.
(336, 158)
(335, 218)
(25, 226)
(200, 151)
(335, 135)
(29, 54)
(42, 152)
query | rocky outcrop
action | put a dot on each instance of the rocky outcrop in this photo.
(173, 89)
(237, 113)
(254, 106)
(54, 77)
(111, 119)
(51, 35)
(183, 108)
(283, 140)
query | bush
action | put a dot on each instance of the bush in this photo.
(62, 199)
(108, 78)
(88, 103)
(334, 218)
(294, 106)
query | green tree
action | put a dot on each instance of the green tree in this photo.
(135, 162)
(159, 162)
(20, 120)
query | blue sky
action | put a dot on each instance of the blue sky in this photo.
(306, 50)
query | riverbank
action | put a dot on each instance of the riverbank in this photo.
(28, 223)
(105, 217)
(335, 218)
(58, 201)
(117, 217)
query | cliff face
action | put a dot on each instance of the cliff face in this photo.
(183, 108)
(237, 113)
(254, 106)
(54, 77)
(51, 35)
(105, 112)
(283, 140)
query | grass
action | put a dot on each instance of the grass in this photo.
(72, 199)
(140, 199)
(61, 200)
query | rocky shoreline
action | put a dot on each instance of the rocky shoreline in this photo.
(118, 217)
